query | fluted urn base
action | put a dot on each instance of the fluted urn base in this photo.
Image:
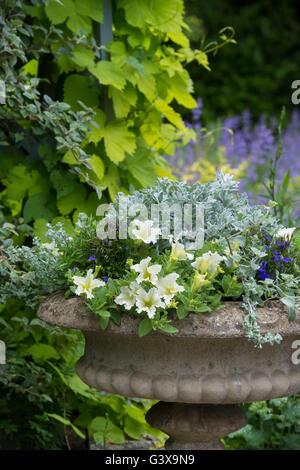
(195, 427)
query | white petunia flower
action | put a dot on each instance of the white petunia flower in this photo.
(147, 273)
(285, 233)
(148, 301)
(126, 298)
(145, 231)
(87, 284)
(178, 252)
(51, 246)
(208, 262)
(134, 287)
(168, 287)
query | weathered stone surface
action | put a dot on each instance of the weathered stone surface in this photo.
(226, 322)
(209, 361)
(196, 426)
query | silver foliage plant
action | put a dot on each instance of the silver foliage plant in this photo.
(225, 210)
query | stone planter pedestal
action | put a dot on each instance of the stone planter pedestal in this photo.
(199, 373)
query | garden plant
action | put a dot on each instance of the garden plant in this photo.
(86, 121)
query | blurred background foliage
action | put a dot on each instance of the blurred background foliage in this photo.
(257, 73)
(156, 102)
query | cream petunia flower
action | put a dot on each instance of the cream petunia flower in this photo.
(147, 273)
(285, 233)
(200, 281)
(208, 262)
(87, 284)
(148, 301)
(168, 287)
(178, 252)
(145, 231)
(126, 298)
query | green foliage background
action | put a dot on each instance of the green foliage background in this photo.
(257, 73)
(81, 122)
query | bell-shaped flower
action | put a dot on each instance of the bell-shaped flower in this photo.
(168, 287)
(148, 301)
(208, 262)
(87, 284)
(126, 298)
(178, 252)
(147, 273)
(145, 231)
(285, 233)
(200, 281)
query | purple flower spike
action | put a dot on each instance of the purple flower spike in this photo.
(92, 258)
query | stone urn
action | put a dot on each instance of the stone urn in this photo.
(199, 374)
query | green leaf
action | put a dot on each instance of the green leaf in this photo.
(104, 430)
(109, 74)
(74, 200)
(97, 165)
(39, 206)
(104, 321)
(83, 57)
(77, 22)
(141, 167)
(182, 312)
(146, 85)
(80, 88)
(103, 313)
(123, 100)
(20, 182)
(91, 8)
(67, 422)
(63, 182)
(290, 302)
(43, 352)
(111, 181)
(116, 317)
(170, 114)
(168, 328)
(133, 428)
(40, 227)
(31, 68)
(118, 141)
(58, 13)
(180, 87)
(136, 14)
(145, 327)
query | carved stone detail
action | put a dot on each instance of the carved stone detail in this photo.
(194, 427)
(209, 361)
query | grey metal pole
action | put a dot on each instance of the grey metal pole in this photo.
(103, 33)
